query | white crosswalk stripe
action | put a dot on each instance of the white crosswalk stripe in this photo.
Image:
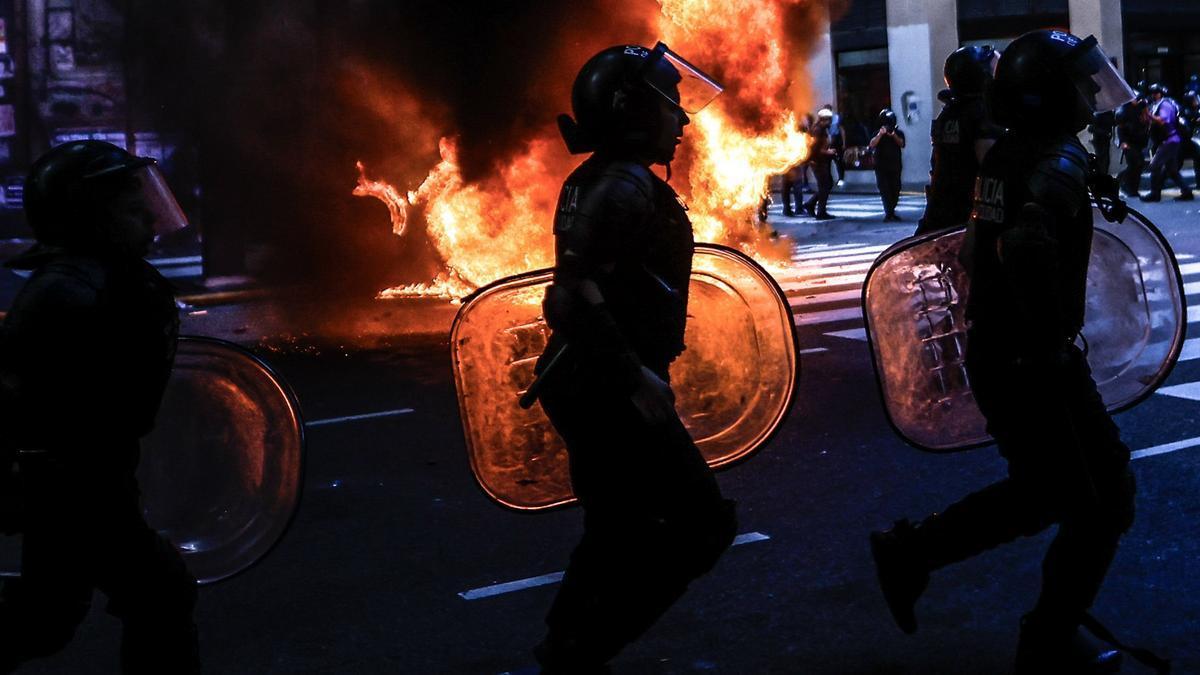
(177, 268)
(858, 206)
(824, 289)
(824, 284)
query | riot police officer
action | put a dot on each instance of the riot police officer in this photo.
(821, 155)
(961, 134)
(887, 144)
(1133, 134)
(654, 517)
(1189, 125)
(1101, 130)
(1027, 254)
(87, 349)
(1167, 134)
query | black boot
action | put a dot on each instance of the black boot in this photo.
(903, 574)
(1046, 647)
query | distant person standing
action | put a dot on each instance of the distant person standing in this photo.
(837, 139)
(795, 179)
(1133, 135)
(820, 159)
(886, 145)
(1164, 126)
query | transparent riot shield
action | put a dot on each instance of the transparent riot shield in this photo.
(734, 384)
(221, 474)
(914, 306)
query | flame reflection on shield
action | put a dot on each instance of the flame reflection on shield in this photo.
(734, 384)
(221, 474)
(914, 302)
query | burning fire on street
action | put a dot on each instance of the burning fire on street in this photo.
(485, 230)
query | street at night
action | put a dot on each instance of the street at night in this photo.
(398, 562)
(602, 337)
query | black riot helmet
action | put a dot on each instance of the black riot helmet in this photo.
(1049, 81)
(617, 94)
(1157, 88)
(71, 189)
(968, 70)
(887, 119)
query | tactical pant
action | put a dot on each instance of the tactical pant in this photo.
(654, 520)
(1103, 151)
(1189, 151)
(888, 182)
(1131, 176)
(824, 175)
(1066, 466)
(794, 181)
(84, 530)
(1164, 165)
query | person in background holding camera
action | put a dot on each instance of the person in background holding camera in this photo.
(886, 145)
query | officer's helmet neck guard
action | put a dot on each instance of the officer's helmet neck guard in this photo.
(72, 187)
(1050, 82)
(617, 95)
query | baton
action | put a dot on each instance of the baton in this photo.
(531, 394)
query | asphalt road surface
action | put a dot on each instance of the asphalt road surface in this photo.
(398, 563)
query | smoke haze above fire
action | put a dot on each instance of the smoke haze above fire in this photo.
(283, 97)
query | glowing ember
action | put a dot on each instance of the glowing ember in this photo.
(485, 231)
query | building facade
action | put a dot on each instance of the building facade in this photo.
(890, 53)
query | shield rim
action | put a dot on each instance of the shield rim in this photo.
(285, 388)
(911, 242)
(785, 413)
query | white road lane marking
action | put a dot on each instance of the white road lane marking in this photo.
(555, 577)
(828, 316)
(835, 260)
(1166, 448)
(187, 260)
(1187, 390)
(825, 298)
(859, 334)
(356, 418)
(820, 282)
(814, 350)
(180, 272)
(822, 251)
(1191, 350)
(805, 272)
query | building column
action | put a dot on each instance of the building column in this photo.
(820, 68)
(1101, 18)
(921, 34)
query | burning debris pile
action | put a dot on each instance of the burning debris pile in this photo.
(483, 230)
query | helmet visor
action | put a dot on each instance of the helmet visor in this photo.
(1097, 79)
(681, 83)
(159, 201)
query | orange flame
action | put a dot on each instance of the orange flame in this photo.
(502, 227)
